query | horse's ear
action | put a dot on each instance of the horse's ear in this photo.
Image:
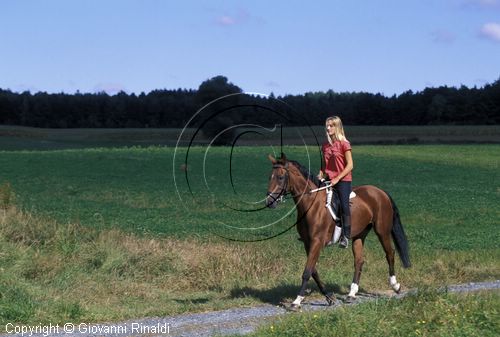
(283, 157)
(272, 159)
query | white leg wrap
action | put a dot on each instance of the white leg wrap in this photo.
(298, 300)
(331, 212)
(336, 234)
(354, 290)
(394, 283)
(329, 196)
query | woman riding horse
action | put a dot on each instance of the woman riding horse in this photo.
(371, 208)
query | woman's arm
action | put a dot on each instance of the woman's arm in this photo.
(348, 167)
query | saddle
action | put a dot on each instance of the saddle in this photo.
(334, 206)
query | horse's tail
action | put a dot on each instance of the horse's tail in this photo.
(399, 236)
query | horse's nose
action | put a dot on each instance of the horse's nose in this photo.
(270, 201)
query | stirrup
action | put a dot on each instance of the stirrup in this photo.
(344, 242)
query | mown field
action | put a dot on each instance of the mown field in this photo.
(108, 234)
(26, 138)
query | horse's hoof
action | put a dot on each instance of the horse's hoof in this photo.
(330, 299)
(350, 299)
(397, 288)
(293, 307)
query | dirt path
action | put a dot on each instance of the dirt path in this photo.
(231, 321)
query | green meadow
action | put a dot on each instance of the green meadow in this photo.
(115, 233)
(440, 189)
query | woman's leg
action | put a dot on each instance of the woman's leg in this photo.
(344, 188)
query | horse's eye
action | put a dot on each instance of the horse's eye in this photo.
(280, 178)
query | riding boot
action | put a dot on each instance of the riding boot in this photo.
(346, 231)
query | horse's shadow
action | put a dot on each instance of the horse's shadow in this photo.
(281, 293)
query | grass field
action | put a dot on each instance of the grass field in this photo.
(101, 234)
(443, 188)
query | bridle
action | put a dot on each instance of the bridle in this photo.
(279, 196)
(284, 191)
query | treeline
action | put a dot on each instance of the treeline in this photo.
(173, 108)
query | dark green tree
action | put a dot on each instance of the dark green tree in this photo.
(217, 97)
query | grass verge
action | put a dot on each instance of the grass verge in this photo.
(428, 313)
(55, 273)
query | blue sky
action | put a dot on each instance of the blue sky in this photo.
(284, 47)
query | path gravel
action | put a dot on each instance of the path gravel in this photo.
(231, 321)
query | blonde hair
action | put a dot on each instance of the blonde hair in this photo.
(338, 129)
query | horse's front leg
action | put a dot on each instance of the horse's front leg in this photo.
(312, 259)
(330, 298)
(357, 250)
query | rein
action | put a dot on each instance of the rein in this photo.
(328, 185)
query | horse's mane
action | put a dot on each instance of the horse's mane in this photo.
(305, 172)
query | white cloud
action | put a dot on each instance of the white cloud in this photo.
(482, 4)
(489, 3)
(491, 31)
(226, 20)
(237, 17)
(443, 36)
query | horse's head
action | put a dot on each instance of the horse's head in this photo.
(278, 182)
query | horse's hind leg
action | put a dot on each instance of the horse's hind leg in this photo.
(329, 297)
(385, 240)
(357, 250)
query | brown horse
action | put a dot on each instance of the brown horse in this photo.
(371, 208)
